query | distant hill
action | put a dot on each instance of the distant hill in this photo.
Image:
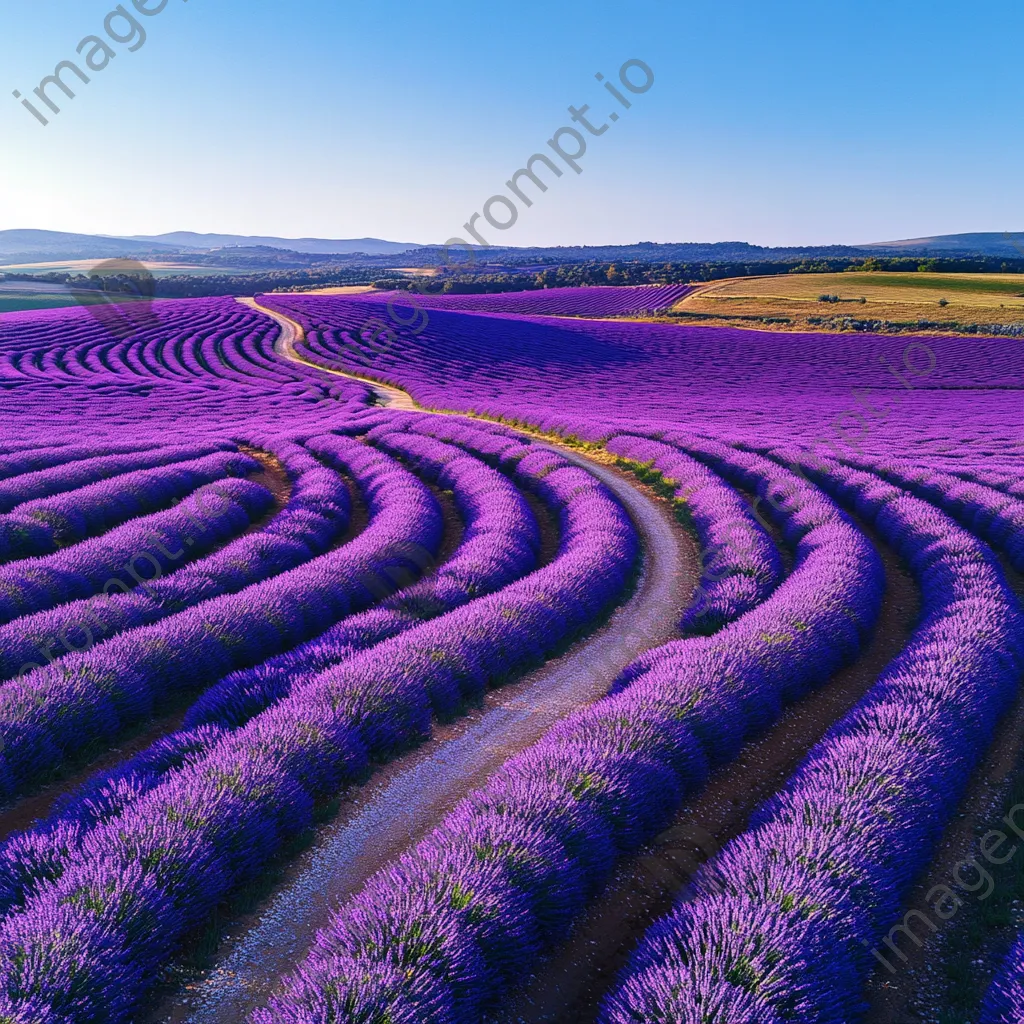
(676, 252)
(32, 246)
(257, 252)
(323, 246)
(983, 243)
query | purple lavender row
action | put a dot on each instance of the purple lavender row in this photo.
(315, 515)
(782, 925)
(35, 459)
(990, 514)
(489, 441)
(141, 549)
(500, 544)
(42, 526)
(439, 935)
(1000, 476)
(1004, 1000)
(44, 483)
(12, 446)
(51, 713)
(89, 943)
(739, 562)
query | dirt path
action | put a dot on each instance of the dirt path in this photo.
(293, 334)
(408, 797)
(569, 986)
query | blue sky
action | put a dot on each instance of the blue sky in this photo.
(771, 122)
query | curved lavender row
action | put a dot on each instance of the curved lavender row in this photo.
(998, 478)
(41, 526)
(833, 560)
(316, 513)
(42, 852)
(778, 926)
(34, 854)
(491, 442)
(87, 944)
(1004, 1000)
(501, 533)
(500, 544)
(438, 935)
(11, 447)
(990, 514)
(52, 712)
(44, 483)
(740, 564)
(142, 549)
(35, 459)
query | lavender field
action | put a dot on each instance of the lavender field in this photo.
(568, 302)
(491, 659)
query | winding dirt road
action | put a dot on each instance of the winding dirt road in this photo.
(408, 797)
(293, 334)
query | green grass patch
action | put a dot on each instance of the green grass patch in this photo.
(948, 283)
(665, 487)
(21, 303)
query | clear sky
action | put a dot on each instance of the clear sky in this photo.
(771, 122)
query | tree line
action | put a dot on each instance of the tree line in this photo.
(638, 272)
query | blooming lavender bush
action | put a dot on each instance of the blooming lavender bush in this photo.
(740, 564)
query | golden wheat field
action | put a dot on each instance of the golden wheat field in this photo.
(895, 297)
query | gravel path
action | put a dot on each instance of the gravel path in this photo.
(292, 334)
(405, 799)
